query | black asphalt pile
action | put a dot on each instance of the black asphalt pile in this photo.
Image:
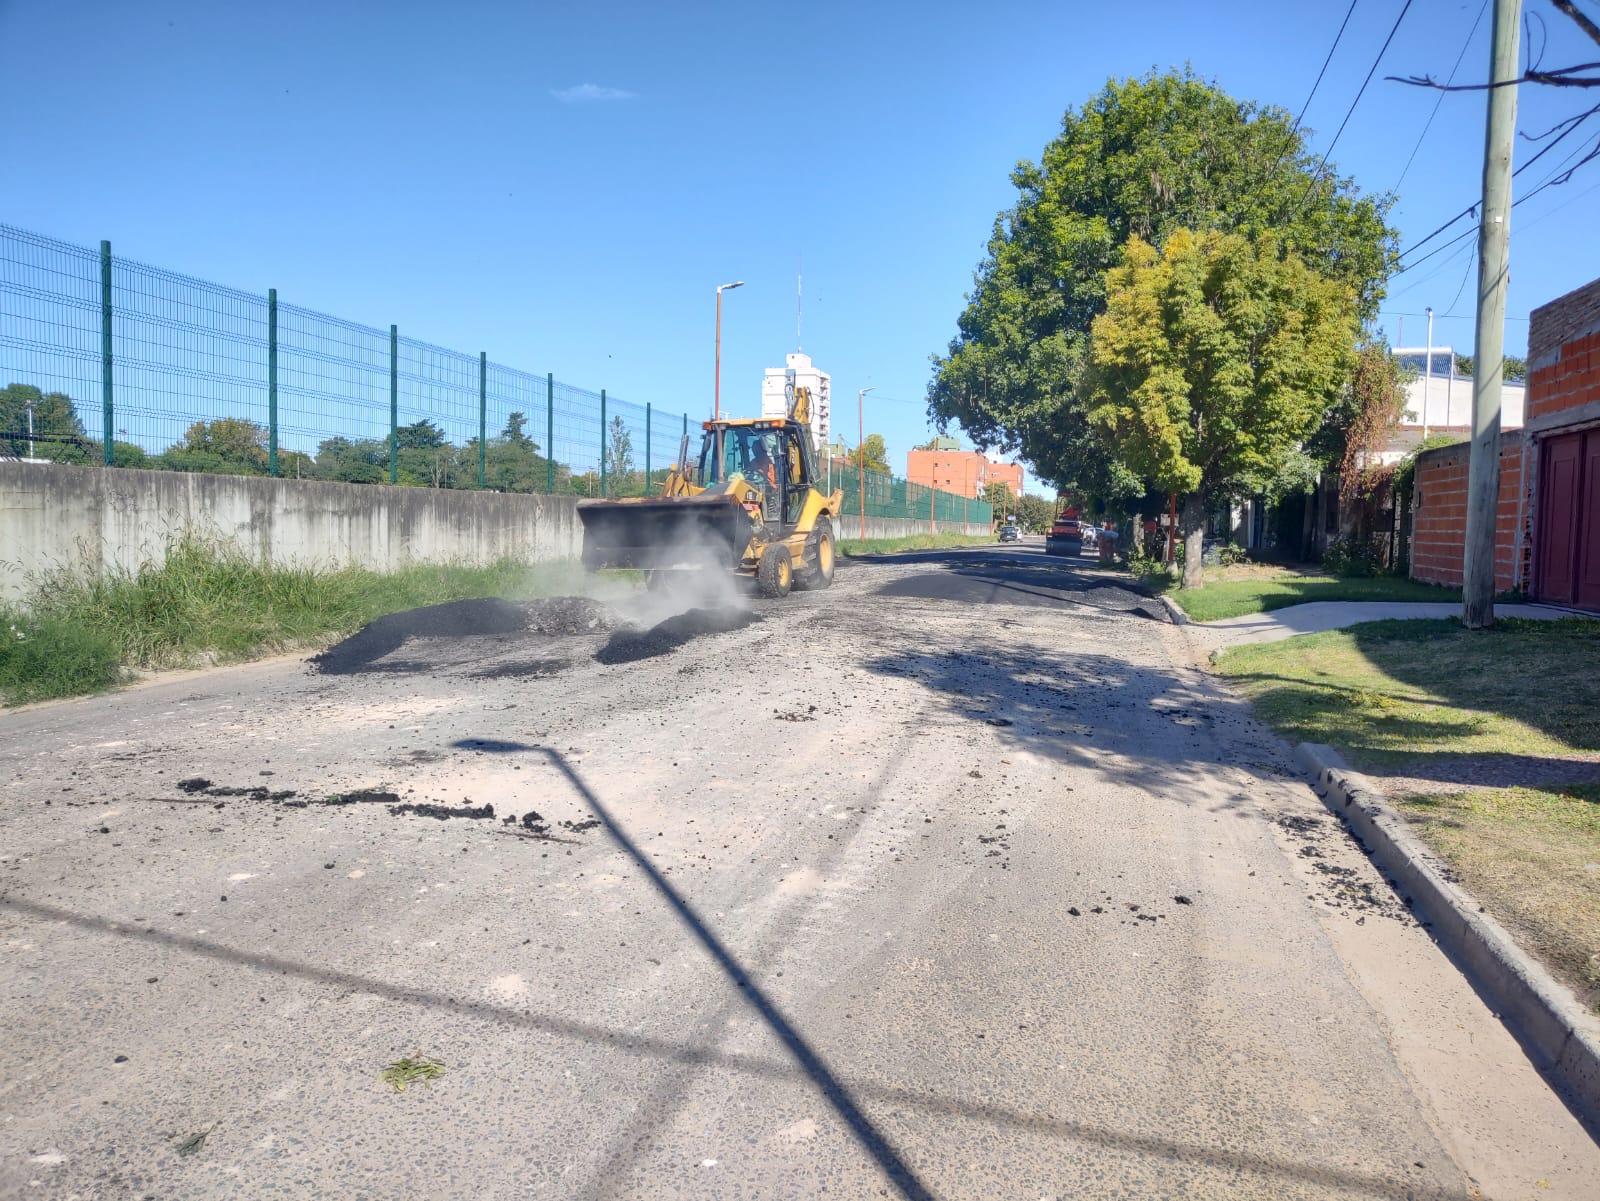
(453, 619)
(629, 646)
(568, 615)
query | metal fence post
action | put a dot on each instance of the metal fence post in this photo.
(272, 381)
(602, 441)
(483, 415)
(647, 448)
(108, 414)
(550, 432)
(394, 404)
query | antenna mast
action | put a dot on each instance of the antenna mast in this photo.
(799, 300)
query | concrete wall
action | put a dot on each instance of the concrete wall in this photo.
(92, 518)
(1439, 515)
(53, 515)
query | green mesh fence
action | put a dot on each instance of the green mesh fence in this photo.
(200, 377)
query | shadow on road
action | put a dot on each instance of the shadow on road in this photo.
(1044, 1125)
(1139, 725)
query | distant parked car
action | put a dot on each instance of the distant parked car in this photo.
(1010, 533)
(1065, 537)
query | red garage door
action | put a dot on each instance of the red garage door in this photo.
(1569, 520)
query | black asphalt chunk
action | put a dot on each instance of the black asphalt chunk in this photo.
(363, 796)
(443, 812)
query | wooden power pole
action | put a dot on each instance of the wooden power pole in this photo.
(1494, 238)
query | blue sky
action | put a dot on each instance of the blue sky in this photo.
(564, 185)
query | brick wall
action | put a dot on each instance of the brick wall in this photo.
(1564, 353)
(1439, 521)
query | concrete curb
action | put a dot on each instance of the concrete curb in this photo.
(1174, 610)
(1560, 1036)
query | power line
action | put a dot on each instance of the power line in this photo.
(1428, 124)
(1361, 91)
(1462, 286)
(1304, 107)
(1571, 123)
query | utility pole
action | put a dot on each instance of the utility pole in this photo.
(1427, 380)
(1494, 239)
(861, 444)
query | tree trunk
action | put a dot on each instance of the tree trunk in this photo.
(1193, 521)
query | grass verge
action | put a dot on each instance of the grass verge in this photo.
(1233, 592)
(1430, 700)
(1389, 692)
(857, 547)
(213, 603)
(1532, 858)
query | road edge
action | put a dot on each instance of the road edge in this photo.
(1560, 1037)
(1174, 610)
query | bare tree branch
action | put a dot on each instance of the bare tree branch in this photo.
(1570, 9)
(1560, 77)
(1556, 77)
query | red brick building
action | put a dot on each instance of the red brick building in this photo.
(964, 472)
(1547, 529)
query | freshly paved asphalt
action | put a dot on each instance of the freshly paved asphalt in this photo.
(951, 881)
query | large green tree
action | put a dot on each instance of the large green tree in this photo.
(874, 453)
(1214, 360)
(1145, 156)
(223, 446)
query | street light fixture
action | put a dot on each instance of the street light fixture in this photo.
(716, 404)
(861, 461)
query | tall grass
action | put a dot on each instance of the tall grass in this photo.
(210, 601)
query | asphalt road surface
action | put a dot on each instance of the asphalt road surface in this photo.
(957, 880)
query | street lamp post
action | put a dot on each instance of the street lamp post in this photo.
(716, 404)
(861, 463)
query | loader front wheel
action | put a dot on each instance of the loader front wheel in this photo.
(775, 572)
(817, 571)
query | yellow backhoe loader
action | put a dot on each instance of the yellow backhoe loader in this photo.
(748, 505)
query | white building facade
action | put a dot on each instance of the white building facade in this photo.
(798, 371)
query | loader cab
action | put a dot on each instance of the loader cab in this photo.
(746, 450)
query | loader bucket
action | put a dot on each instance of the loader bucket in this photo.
(663, 534)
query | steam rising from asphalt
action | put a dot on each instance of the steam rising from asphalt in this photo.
(703, 583)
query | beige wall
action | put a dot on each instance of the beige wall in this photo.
(96, 518)
(53, 515)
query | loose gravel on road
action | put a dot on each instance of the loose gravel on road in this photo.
(955, 880)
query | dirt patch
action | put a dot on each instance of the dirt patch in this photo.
(454, 619)
(629, 646)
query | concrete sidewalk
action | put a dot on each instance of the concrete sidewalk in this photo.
(1316, 616)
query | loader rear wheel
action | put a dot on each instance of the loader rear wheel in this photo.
(775, 572)
(817, 571)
